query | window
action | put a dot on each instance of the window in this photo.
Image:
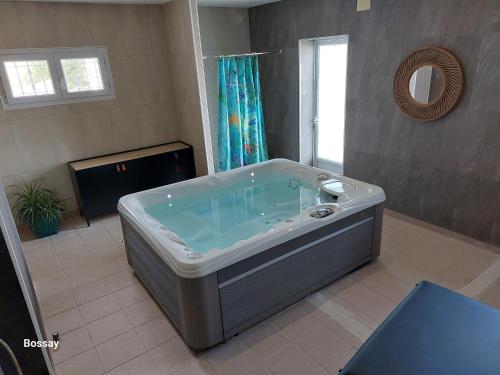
(29, 78)
(39, 77)
(331, 74)
(82, 75)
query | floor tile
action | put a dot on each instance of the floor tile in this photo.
(43, 265)
(96, 238)
(50, 287)
(297, 320)
(103, 246)
(67, 241)
(156, 332)
(324, 345)
(114, 228)
(72, 221)
(113, 262)
(110, 221)
(94, 233)
(492, 297)
(131, 294)
(344, 323)
(387, 285)
(363, 299)
(335, 366)
(99, 308)
(172, 356)
(40, 243)
(65, 237)
(72, 343)
(142, 365)
(143, 312)
(257, 369)
(292, 360)
(119, 350)
(91, 291)
(482, 283)
(64, 322)
(265, 339)
(109, 327)
(85, 271)
(86, 363)
(57, 304)
(197, 368)
(232, 357)
(72, 258)
(407, 272)
(38, 249)
(122, 279)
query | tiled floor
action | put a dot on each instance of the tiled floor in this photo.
(109, 324)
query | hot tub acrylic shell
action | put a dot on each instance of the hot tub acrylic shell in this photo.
(215, 295)
(354, 196)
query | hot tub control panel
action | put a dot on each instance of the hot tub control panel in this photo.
(322, 212)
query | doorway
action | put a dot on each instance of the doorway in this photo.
(330, 76)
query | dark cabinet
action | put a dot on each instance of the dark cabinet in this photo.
(100, 182)
(174, 167)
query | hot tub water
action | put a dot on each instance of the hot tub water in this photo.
(236, 212)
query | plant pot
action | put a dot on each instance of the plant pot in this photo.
(45, 229)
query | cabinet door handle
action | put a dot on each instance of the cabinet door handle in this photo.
(124, 169)
(118, 168)
(176, 156)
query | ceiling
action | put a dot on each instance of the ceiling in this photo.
(220, 3)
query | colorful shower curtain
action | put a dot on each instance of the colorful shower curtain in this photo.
(241, 135)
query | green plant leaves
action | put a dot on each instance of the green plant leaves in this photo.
(35, 204)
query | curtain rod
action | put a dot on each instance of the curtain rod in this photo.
(243, 54)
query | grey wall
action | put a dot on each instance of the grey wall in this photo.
(223, 31)
(446, 172)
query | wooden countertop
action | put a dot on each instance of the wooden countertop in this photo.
(124, 156)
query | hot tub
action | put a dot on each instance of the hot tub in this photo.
(220, 253)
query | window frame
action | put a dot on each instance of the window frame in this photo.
(61, 94)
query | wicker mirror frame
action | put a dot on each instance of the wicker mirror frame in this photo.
(441, 59)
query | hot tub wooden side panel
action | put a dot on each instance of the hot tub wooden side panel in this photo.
(192, 305)
(267, 291)
(213, 308)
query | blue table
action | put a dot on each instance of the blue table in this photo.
(433, 331)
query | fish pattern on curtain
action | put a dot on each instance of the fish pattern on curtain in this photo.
(241, 131)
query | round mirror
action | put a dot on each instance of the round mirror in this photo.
(426, 84)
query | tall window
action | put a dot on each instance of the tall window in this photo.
(38, 77)
(331, 74)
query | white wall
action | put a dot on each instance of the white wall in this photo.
(39, 142)
(307, 100)
(155, 55)
(223, 31)
(184, 52)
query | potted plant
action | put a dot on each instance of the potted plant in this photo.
(38, 209)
